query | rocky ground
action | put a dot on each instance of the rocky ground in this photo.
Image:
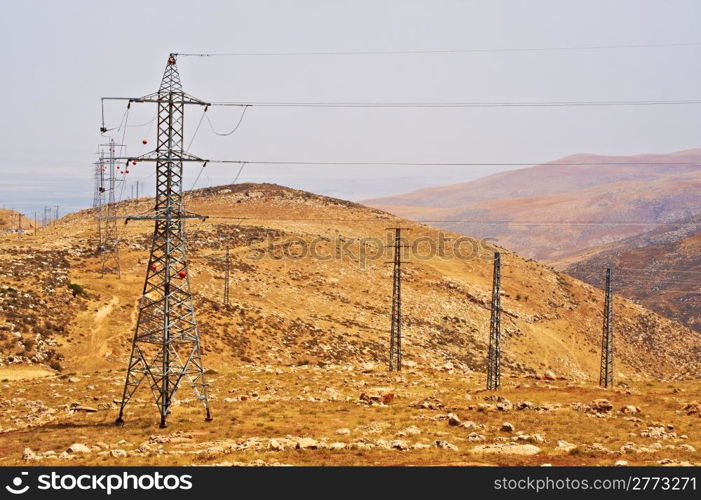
(352, 415)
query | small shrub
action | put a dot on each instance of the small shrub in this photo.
(76, 289)
(55, 365)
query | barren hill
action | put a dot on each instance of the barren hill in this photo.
(11, 220)
(659, 269)
(552, 211)
(310, 285)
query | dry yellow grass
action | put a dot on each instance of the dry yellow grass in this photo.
(254, 404)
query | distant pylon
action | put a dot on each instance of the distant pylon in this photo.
(606, 370)
(166, 345)
(109, 247)
(494, 354)
(395, 336)
(98, 201)
(227, 272)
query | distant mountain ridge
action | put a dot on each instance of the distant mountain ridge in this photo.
(554, 211)
(659, 269)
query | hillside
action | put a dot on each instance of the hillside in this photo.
(329, 310)
(11, 220)
(551, 212)
(667, 261)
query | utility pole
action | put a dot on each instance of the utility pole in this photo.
(606, 370)
(395, 336)
(227, 272)
(494, 355)
(56, 213)
(35, 223)
(166, 344)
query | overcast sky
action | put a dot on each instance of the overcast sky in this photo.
(59, 58)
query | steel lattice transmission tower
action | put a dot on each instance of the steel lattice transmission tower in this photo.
(395, 335)
(98, 202)
(109, 249)
(606, 370)
(166, 346)
(494, 354)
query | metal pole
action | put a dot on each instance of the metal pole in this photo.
(494, 355)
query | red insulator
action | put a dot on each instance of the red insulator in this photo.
(126, 171)
(153, 267)
(182, 274)
(133, 162)
(144, 141)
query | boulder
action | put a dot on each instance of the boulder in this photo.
(398, 444)
(307, 443)
(507, 427)
(693, 408)
(453, 419)
(600, 406)
(444, 445)
(630, 410)
(565, 446)
(473, 437)
(77, 448)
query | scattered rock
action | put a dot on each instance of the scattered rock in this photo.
(428, 404)
(77, 448)
(307, 443)
(507, 449)
(630, 410)
(600, 406)
(475, 438)
(507, 427)
(445, 445)
(657, 432)
(28, 454)
(621, 463)
(84, 409)
(343, 431)
(412, 430)
(565, 446)
(549, 375)
(693, 408)
(399, 444)
(470, 425)
(453, 419)
(118, 453)
(387, 398)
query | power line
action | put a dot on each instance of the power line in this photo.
(449, 164)
(471, 221)
(493, 104)
(441, 51)
(236, 127)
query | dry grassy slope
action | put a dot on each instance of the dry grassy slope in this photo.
(288, 311)
(8, 220)
(583, 192)
(667, 260)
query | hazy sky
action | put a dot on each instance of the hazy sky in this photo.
(59, 58)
